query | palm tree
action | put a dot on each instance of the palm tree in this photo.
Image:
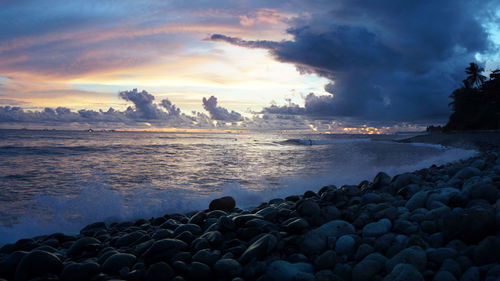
(495, 74)
(475, 77)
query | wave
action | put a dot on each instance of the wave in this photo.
(322, 141)
(99, 202)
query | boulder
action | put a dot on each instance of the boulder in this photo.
(285, 271)
(345, 245)
(83, 245)
(418, 200)
(116, 262)
(37, 264)
(414, 256)
(228, 268)
(259, 248)
(458, 224)
(368, 267)
(225, 203)
(79, 271)
(159, 271)
(444, 276)
(404, 272)
(376, 229)
(487, 251)
(163, 250)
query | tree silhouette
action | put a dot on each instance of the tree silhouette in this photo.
(475, 77)
(476, 108)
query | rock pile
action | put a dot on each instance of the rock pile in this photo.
(440, 223)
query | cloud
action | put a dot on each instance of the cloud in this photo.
(144, 111)
(220, 113)
(389, 60)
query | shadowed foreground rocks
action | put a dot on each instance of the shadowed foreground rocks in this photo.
(440, 223)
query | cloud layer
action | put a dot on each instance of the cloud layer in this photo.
(387, 60)
(143, 112)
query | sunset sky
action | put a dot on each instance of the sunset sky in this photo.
(330, 66)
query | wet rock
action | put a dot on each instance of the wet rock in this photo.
(296, 225)
(92, 229)
(471, 274)
(313, 243)
(226, 203)
(308, 207)
(227, 268)
(163, 250)
(159, 271)
(363, 251)
(444, 276)
(336, 228)
(376, 229)
(9, 263)
(259, 248)
(285, 271)
(199, 271)
(79, 271)
(129, 239)
(488, 251)
(404, 272)
(457, 224)
(345, 245)
(438, 255)
(206, 256)
(466, 173)
(404, 179)
(368, 267)
(451, 266)
(193, 228)
(381, 179)
(114, 263)
(85, 244)
(418, 200)
(326, 260)
(37, 264)
(198, 218)
(414, 256)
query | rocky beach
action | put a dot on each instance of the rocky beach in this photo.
(440, 223)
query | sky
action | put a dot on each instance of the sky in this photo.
(326, 66)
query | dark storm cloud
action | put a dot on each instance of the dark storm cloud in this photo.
(144, 106)
(220, 113)
(387, 60)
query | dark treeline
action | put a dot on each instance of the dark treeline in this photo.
(476, 105)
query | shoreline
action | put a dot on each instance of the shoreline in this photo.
(415, 225)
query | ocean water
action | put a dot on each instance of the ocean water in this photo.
(59, 181)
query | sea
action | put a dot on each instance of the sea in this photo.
(59, 181)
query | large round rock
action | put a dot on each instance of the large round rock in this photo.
(36, 264)
(228, 268)
(226, 203)
(163, 250)
(113, 264)
(80, 271)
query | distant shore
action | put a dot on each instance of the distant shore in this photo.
(480, 140)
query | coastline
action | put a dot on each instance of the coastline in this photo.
(415, 225)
